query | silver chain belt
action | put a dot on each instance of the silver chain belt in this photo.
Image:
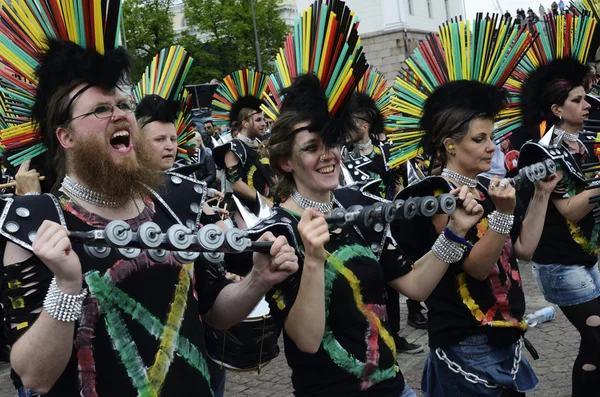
(454, 367)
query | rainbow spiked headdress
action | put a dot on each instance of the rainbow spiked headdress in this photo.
(560, 53)
(241, 89)
(372, 93)
(47, 45)
(483, 50)
(161, 96)
(584, 7)
(319, 68)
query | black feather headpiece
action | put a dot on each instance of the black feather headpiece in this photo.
(468, 98)
(155, 108)
(65, 62)
(363, 103)
(247, 102)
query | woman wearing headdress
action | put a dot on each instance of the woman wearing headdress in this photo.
(565, 262)
(553, 100)
(476, 312)
(336, 334)
(475, 317)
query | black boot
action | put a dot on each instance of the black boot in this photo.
(403, 346)
(416, 318)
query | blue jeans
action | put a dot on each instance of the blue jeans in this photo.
(481, 361)
(407, 392)
(567, 285)
(23, 392)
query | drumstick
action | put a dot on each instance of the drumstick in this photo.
(216, 198)
(222, 196)
(224, 209)
(14, 183)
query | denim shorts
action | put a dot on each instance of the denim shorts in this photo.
(480, 362)
(567, 285)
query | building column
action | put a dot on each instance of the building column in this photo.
(393, 14)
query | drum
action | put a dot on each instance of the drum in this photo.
(247, 346)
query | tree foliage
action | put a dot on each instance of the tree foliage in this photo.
(221, 36)
(148, 29)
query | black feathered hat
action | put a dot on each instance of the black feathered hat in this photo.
(305, 96)
(155, 108)
(247, 102)
(65, 63)
(468, 99)
(364, 103)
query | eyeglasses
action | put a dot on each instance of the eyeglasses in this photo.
(106, 111)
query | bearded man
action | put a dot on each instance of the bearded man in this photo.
(88, 321)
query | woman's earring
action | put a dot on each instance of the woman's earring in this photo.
(451, 147)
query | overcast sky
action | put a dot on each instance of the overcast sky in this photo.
(474, 6)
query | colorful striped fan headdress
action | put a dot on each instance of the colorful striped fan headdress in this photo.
(48, 45)
(484, 50)
(241, 89)
(161, 96)
(371, 94)
(559, 54)
(582, 7)
(319, 68)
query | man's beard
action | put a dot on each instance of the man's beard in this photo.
(94, 167)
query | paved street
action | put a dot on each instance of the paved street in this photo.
(557, 343)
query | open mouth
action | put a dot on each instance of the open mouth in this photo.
(120, 141)
(326, 170)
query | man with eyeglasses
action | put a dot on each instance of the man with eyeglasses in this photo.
(92, 321)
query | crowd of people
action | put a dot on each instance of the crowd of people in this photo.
(531, 17)
(112, 279)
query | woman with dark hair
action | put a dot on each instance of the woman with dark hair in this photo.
(476, 311)
(475, 317)
(565, 262)
(333, 313)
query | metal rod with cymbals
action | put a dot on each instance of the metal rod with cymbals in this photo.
(211, 239)
(533, 173)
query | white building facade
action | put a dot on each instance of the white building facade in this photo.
(391, 29)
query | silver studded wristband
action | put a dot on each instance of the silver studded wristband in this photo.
(61, 306)
(500, 223)
(447, 250)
